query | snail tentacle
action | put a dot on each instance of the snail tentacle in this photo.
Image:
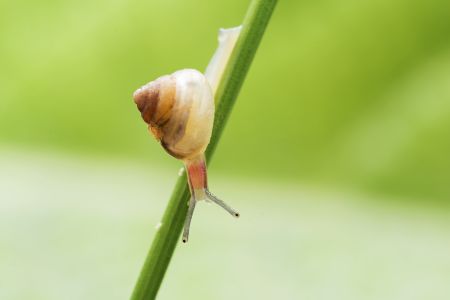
(222, 204)
(187, 221)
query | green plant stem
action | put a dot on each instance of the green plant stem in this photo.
(168, 234)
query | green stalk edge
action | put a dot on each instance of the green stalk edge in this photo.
(168, 235)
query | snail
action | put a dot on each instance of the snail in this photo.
(179, 111)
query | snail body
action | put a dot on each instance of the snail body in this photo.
(179, 111)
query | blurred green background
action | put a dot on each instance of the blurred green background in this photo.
(336, 154)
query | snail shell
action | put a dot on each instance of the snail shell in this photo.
(179, 111)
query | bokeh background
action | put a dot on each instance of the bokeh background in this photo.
(336, 154)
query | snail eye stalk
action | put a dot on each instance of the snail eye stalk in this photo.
(222, 204)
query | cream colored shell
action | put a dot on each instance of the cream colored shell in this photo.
(179, 109)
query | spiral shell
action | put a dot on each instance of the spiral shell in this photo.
(179, 111)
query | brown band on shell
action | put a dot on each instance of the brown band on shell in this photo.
(147, 99)
(171, 152)
(175, 129)
(155, 101)
(178, 128)
(167, 94)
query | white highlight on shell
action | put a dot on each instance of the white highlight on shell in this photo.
(227, 39)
